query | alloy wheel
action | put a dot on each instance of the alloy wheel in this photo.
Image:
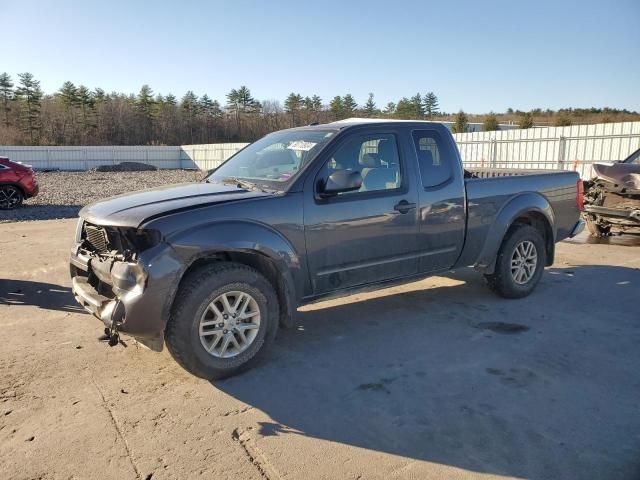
(523, 262)
(9, 197)
(229, 324)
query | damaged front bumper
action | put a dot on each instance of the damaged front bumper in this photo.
(128, 297)
(630, 214)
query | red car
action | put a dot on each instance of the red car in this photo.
(17, 182)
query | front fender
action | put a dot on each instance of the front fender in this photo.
(243, 236)
(517, 206)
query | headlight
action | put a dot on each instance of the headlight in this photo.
(79, 230)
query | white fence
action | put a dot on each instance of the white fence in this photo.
(208, 156)
(85, 158)
(567, 148)
(203, 157)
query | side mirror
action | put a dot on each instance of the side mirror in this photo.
(341, 181)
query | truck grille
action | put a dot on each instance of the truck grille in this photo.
(96, 237)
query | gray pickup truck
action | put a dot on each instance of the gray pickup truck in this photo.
(214, 268)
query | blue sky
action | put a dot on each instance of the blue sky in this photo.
(475, 55)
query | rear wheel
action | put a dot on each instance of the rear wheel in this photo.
(223, 318)
(10, 197)
(520, 263)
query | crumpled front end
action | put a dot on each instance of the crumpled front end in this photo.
(612, 199)
(125, 277)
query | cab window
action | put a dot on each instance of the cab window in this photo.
(374, 156)
(434, 157)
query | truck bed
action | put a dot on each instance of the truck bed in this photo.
(490, 190)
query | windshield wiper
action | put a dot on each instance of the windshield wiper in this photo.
(247, 185)
(240, 183)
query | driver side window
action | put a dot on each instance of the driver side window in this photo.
(374, 156)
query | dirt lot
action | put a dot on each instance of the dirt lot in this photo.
(436, 379)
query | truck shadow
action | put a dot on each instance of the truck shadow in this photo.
(446, 372)
(39, 212)
(49, 296)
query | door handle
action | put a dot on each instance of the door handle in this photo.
(404, 207)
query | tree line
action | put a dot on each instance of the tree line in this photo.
(77, 115)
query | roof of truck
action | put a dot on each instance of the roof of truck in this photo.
(361, 121)
(349, 123)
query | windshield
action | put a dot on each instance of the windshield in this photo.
(633, 158)
(275, 159)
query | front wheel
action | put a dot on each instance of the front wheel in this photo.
(520, 263)
(10, 197)
(224, 316)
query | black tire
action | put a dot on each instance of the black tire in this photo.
(196, 292)
(502, 280)
(10, 197)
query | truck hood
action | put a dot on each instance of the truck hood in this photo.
(625, 175)
(131, 210)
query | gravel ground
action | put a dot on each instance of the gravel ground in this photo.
(62, 194)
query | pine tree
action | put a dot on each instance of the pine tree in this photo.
(307, 104)
(405, 109)
(460, 122)
(145, 102)
(189, 107)
(312, 105)
(240, 102)
(490, 123)
(29, 95)
(349, 105)
(99, 96)
(370, 109)
(68, 95)
(6, 93)
(390, 109)
(170, 99)
(210, 111)
(87, 108)
(336, 108)
(216, 109)
(317, 103)
(292, 106)
(416, 104)
(145, 109)
(431, 108)
(205, 104)
(245, 101)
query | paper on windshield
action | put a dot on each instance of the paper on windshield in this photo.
(301, 145)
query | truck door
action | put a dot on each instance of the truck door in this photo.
(366, 236)
(441, 212)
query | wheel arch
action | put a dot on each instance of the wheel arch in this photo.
(246, 243)
(528, 208)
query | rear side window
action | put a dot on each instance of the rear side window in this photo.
(434, 157)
